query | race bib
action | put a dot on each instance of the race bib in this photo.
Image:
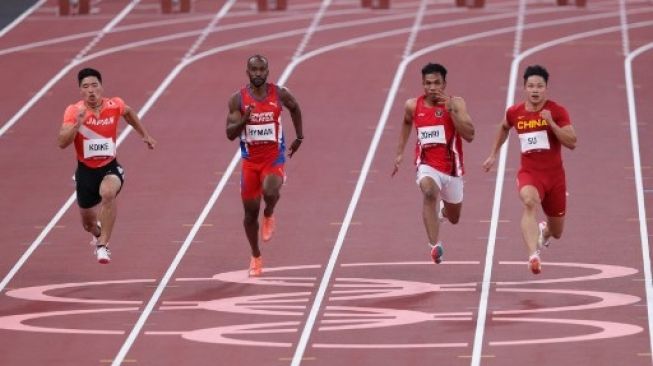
(431, 135)
(538, 140)
(261, 133)
(99, 148)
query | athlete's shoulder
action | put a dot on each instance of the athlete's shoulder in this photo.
(114, 102)
(550, 104)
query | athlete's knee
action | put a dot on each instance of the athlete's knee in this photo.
(530, 202)
(89, 225)
(271, 194)
(430, 195)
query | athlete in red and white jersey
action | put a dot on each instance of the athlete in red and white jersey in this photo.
(441, 122)
(255, 117)
(542, 126)
(92, 125)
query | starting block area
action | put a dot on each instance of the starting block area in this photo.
(82, 7)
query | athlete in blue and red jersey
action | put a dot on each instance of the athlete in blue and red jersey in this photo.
(441, 122)
(543, 126)
(255, 117)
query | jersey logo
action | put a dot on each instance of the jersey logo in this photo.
(438, 112)
(420, 114)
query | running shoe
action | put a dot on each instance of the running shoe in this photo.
(256, 266)
(534, 263)
(437, 251)
(540, 239)
(267, 229)
(103, 254)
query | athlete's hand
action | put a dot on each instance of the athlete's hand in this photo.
(80, 117)
(546, 114)
(398, 160)
(294, 147)
(489, 163)
(149, 141)
(248, 112)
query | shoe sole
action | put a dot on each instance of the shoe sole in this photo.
(436, 254)
(535, 265)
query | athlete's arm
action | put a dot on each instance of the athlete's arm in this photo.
(235, 120)
(566, 135)
(290, 102)
(68, 131)
(132, 118)
(462, 121)
(502, 135)
(406, 127)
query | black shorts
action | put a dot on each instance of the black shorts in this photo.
(87, 182)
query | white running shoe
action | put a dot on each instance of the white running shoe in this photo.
(540, 239)
(103, 254)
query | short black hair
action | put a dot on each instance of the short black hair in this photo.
(536, 70)
(432, 68)
(257, 57)
(86, 72)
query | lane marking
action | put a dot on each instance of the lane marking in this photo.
(22, 17)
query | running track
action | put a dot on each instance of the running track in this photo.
(347, 278)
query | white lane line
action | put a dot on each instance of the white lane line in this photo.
(108, 28)
(495, 212)
(79, 58)
(149, 307)
(639, 186)
(22, 17)
(477, 348)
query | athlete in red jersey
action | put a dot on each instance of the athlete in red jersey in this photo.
(441, 122)
(255, 117)
(543, 126)
(92, 124)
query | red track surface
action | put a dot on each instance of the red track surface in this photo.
(383, 302)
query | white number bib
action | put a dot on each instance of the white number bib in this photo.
(99, 147)
(431, 135)
(261, 133)
(538, 140)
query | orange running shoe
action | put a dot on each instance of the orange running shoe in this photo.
(535, 264)
(267, 229)
(256, 267)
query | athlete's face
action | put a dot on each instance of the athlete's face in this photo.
(257, 71)
(434, 86)
(535, 88)
(91, 90)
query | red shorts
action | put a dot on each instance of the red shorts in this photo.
(253, 174)
(551, 187)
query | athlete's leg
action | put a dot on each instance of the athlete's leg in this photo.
(271, 192)
(252, 207)
(531, 200)
(451, 211)
(430, 194)
(109, 189)
(89, 220)
(555, 226)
